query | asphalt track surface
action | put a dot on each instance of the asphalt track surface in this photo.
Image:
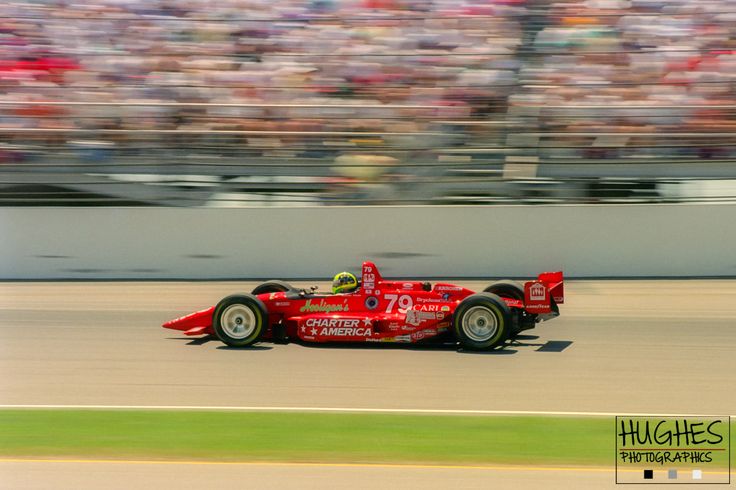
(124, 476)
(619, 347)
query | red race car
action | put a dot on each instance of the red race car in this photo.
(380, 310)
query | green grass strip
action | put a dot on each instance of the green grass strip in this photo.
(307, 437)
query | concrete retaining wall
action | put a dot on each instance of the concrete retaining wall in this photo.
(458, 241)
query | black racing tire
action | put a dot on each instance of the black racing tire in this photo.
(272, 286)
(507, 289)
(239, 320)
(482, 322)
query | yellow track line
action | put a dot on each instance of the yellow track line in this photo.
(334, 465)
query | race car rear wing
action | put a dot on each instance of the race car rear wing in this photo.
(543, 294)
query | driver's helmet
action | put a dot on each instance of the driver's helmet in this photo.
(344, 282)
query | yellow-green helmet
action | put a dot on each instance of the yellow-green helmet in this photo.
(344, 282)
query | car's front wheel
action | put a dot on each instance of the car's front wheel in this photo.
(482, 321)
(239, 320)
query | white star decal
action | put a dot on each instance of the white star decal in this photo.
(367, 322)
(304, 329)
(314, 331)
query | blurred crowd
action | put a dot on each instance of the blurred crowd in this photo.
(319, 76)
(393, 69)
(644, 68)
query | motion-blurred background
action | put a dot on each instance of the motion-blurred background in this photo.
(260, 102)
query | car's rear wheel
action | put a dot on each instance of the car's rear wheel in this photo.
(482, 321)
(507, 289)
(239, 320)
(272, 286)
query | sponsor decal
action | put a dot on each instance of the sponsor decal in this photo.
(415, 317)
(428, 300)
(407, 285)
(346, 332)
(448, 288)
(393, 326)
(427, 307)
(402, 338)
(339, 327)
(369, 278)
(445, 308)
(371, 302)
(282, 303)
(537, 292)
(332, 322)
(323, 306)
(380, 339)
(423, 334)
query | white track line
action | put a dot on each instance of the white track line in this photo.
(355, 410)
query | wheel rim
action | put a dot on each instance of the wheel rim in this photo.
(480, 324)
(238, 321)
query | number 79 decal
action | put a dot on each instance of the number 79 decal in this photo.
(404, 302)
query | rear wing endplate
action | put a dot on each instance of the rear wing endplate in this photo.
(540, 294)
